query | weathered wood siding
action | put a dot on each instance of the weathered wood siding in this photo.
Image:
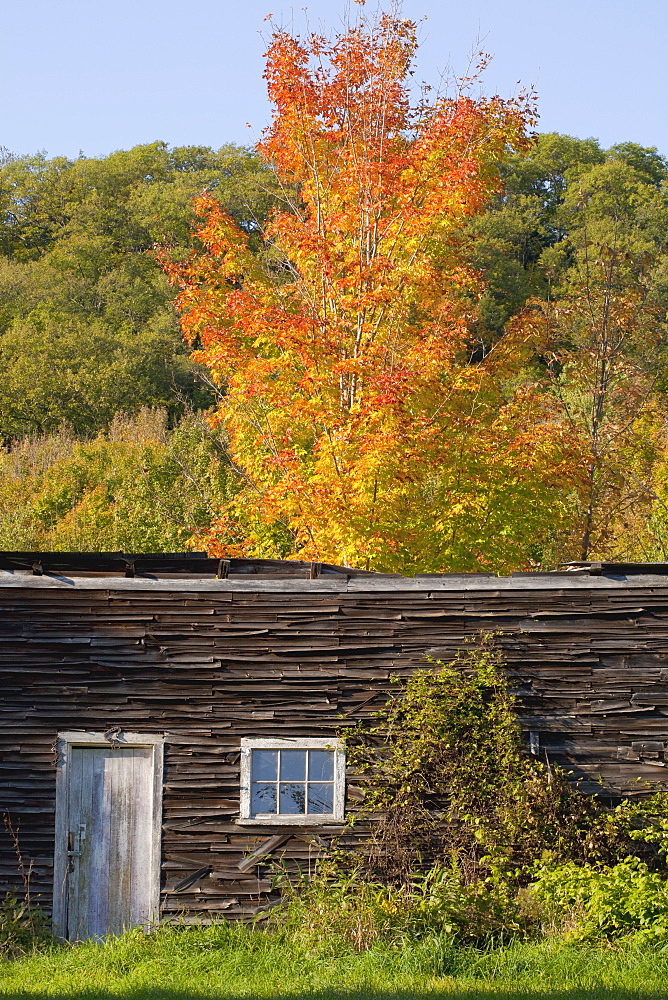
(205, 668)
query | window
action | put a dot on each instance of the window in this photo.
(292, 781)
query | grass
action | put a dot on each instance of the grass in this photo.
(230, 962)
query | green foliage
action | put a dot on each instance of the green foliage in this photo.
(450, 781)
(137, 488)
(563, 193)
(342, 905)
(577, 902)
(510, 240)
(87, 325)
(24, 927)
(645, 160)
(626, 899)
(645, 820)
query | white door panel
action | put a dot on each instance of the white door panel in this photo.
(107, 799)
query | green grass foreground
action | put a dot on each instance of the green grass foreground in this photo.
(230, 962)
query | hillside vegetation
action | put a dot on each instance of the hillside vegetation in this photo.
(102, 410)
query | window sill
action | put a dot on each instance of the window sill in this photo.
(290, 821)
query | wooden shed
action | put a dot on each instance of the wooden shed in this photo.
(168, 723)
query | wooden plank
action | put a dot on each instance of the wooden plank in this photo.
(141, 837)
(101, 839)
(263, 851)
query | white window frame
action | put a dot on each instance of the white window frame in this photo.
(335, 818)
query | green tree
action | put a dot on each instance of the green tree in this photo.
(508, 241)
(87, 325)
(605, 322)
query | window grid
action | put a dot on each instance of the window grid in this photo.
(313, 796)
(263, 810)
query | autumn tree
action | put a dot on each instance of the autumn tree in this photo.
(363, 426)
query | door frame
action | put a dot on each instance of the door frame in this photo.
(65, 741)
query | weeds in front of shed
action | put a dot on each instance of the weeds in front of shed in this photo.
(23, 924)
(344, 909)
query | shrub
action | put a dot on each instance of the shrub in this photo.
(449, 781)
(342, 908)
(587, 903)
(23, 926)
(460, 819)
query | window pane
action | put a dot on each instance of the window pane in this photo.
(265, 764)
(321, 765)
(321, 798)
(263, 798)
(293, 797)
(293, 765)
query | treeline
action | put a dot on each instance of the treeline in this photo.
(101, 409)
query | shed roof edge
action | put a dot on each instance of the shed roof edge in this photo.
(333, 585)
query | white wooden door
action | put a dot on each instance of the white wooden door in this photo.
(108, 838)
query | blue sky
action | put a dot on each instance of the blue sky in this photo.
(99, 75)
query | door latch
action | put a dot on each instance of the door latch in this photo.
(76, 842)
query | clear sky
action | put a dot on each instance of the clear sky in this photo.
(99, 75)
